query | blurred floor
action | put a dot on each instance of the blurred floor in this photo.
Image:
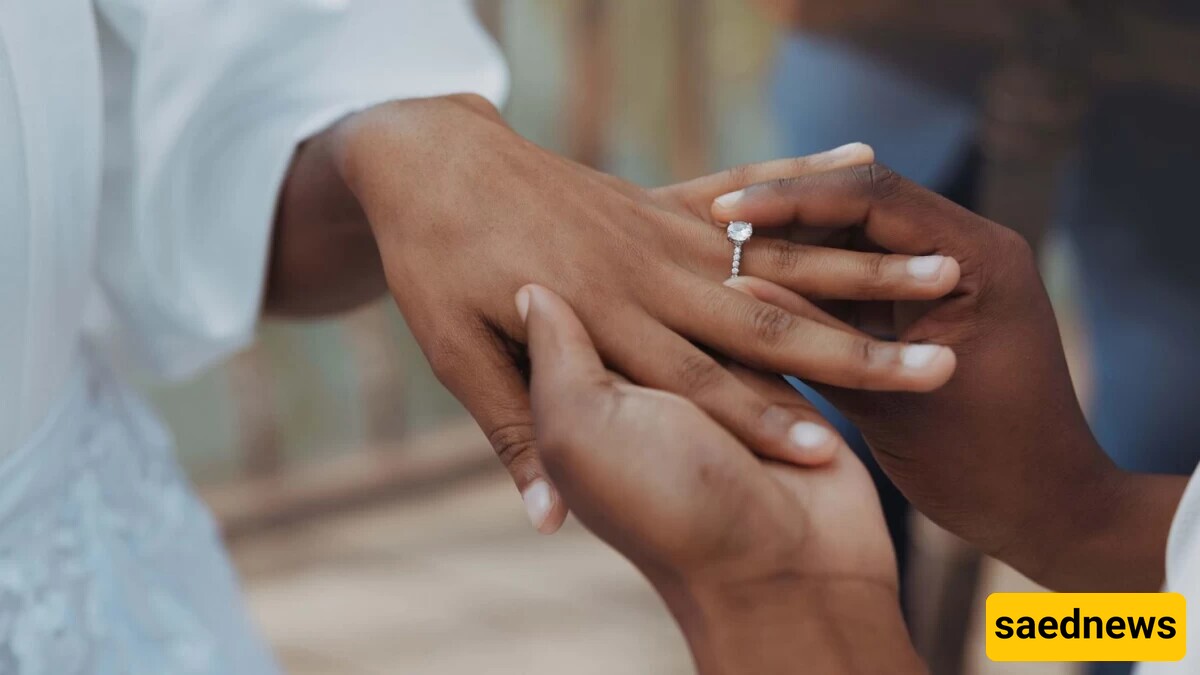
(455, 582)
(1001, 578)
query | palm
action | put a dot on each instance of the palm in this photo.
(677, 493)
(847, 533)
(670, 488)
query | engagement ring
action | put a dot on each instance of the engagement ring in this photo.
(739, 233)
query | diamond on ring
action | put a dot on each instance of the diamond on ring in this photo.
(738, 233)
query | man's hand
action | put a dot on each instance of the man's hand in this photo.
(765, 565)
(465, 212)
(1002, 454)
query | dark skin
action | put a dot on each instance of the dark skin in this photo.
(768, 568)
(1001, 455)
(772, 569)
(440, 203)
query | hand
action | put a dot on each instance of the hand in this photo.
(761, 562)
(1002, 454)
(465, 212)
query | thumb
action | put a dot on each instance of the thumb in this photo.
(564, 360)
(569, 384)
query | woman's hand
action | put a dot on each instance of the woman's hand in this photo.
(1002, 454)
(465, 212)
(762, 563)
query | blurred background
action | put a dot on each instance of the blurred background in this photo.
(374, 528)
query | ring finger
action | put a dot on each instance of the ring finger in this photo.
(653, 356)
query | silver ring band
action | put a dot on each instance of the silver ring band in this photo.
(738, 233)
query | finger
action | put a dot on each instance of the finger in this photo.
(573, 394)
(564, 360)
(655, 357)
(483, 377)
(869, 319)
(894, 212)
(829, 273)
(706, 189)
(768, 338)
(789, 301)
(849, 155)
(776, 389)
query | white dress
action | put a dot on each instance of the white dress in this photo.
(142, 145)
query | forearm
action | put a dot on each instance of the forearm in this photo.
(838, 626)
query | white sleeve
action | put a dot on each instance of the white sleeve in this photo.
(206, 101)
(1183, 576)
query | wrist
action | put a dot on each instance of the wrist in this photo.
(1108, 534)
(323, 257)
(388, 148)
(793, 624)
(1127, 550)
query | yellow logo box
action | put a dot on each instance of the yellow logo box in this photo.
(1086, 627)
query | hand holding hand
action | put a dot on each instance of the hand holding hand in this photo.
(762, 563)
(465, 212)
(1001, 454)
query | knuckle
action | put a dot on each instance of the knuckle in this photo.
(1014, 244)
(653, 221)
(874, 273)
(877, 180)
(1011, 260)
(677, 197)
(883, 179)
(787, 187)
(770, 324)
(784, 255)
(698, 372)
(663, 193)
(514, 443)
(864, 177)
(444, 359)
(1021, 271)
(866, 353)
(646, 211)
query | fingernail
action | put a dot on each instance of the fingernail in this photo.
(538, 500)
(730, 200)
(926, 267)
(919, 356)
(847, 150)
(523, 303)
(809, 435)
